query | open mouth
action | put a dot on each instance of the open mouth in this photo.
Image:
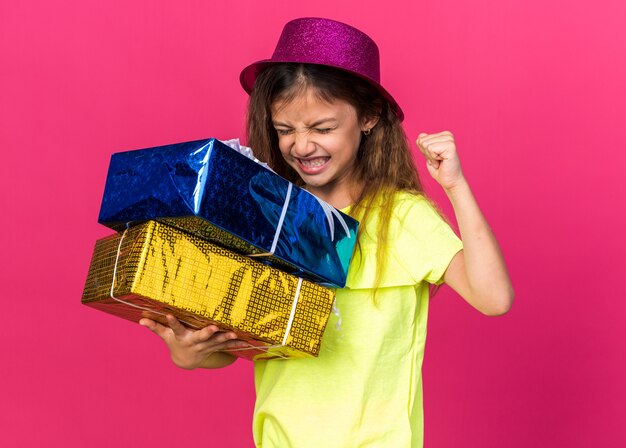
(313, 165)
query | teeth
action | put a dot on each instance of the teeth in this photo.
(313, 162)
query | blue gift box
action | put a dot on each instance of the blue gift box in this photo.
(208, 189)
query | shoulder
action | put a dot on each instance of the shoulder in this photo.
(407, 202)
(414, 214)
(400, 212)
(418, 230)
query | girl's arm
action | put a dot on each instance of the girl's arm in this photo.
(478, 272)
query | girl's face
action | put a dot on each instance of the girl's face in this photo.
(320, 141)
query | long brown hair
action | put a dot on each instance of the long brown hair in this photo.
(384, 162)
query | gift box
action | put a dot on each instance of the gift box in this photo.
(153, 269)
(211, 190)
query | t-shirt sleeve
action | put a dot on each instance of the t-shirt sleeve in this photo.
(422, 241)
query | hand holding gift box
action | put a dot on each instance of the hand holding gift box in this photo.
(209, 189)
(190, 349)
(153, 269)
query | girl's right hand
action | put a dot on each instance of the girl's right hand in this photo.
(195, 348)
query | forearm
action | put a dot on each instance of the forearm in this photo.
(488, 286)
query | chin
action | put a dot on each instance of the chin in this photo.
(308, 179)
(312, 181)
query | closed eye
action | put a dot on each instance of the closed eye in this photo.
(282, 131)
(323, 130)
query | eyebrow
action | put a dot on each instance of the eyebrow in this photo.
(312, 125)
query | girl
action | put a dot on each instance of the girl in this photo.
(319, 116)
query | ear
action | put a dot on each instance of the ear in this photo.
(369, 123)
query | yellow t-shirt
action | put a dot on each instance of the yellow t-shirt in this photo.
(365, 388)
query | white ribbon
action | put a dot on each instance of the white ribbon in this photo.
(244, 150)
(293, 311)
(279, 227)
(335, 311)
(292, 315)
(329, 211)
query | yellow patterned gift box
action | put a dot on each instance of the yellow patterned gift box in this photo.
(153, 269)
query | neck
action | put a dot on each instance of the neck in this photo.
(337, 197)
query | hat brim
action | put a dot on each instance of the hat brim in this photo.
(248, 77)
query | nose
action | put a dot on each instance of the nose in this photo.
(303, 145)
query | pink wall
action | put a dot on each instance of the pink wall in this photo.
(535, 92)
